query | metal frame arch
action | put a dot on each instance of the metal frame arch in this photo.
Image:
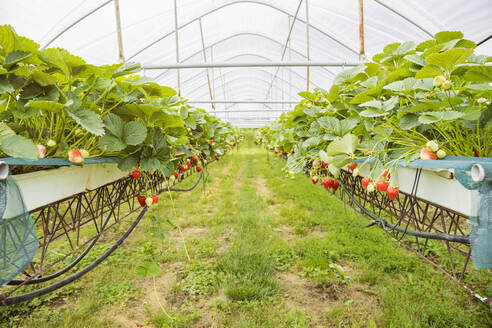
(403, 17)
(234, 3)
(380, 3)
(92, 11)
(237, 35)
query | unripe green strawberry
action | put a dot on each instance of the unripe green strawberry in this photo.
(355, 172)
(439, 80)
(84, 153)
(432, 145)
(51, 143)
(371, 187)
(149, 201)
(441, 154)
(446, 85)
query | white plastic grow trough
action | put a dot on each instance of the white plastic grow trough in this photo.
(44, 187)
(438, 186)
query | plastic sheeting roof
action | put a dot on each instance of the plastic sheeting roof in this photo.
(241, 31)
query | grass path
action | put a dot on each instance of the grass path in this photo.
(266, 251)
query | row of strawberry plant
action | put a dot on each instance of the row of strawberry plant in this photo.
(54, 104)
(426, 100)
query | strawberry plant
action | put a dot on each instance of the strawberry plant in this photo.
(427, 100)
(54, 104)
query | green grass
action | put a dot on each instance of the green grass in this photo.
(279, 255)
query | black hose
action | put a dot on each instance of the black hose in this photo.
(79, 258)
(186, 189)
(37, 293)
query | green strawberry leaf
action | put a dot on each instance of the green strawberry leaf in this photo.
(45, 105)
(88, 120)
(110, 143)
(19, 146)
(134, 133)
(127, 68)
(114, 124)
(15, 57)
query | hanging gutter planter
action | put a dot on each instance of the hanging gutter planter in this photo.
(447, 183)
(44, 187)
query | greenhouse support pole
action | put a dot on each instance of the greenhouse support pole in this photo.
(290, 59)
(307, 43)
(285, 46)
(121, 57)
(205, 59)
(283, 84)
(213, 71)
(177, 44)
(361, 29)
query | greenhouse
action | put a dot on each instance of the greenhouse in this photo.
(245, 163)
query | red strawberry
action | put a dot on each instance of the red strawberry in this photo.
(325, 165)
(194, 159)
(475, 151)
(335, 185)
(392, 192)
(155, 199)
(427, 154)
(198, 169)
(136, 175)
(386, 174)
(325, 183)
(212, 141)
(314, 180)
(181, 168)
(382, 185)
(41, 151)
(176, 174)
(352, 166)
(275, 151)
(330, 183)
(365, 182)
(217, 158)
(188, 164)
(141, 200)
(175, 153)
(75, 156)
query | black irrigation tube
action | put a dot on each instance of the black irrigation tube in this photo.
(37, 293)
(28, 296)
(384, 223)
(187, 189)
(79, 258)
